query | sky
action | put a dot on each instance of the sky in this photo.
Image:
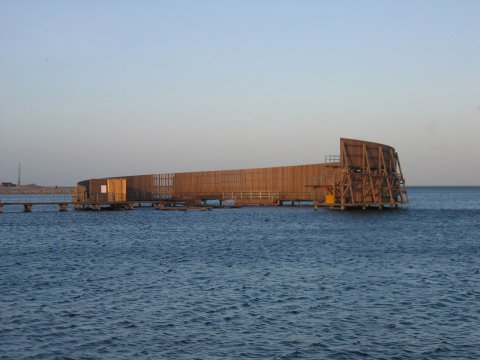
(110, 88)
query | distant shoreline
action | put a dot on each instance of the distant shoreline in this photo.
(38, 190)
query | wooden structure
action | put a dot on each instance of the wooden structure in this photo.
(365, 174)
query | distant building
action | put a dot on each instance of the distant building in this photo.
(8, 184)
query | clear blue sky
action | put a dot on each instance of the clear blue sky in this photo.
(106, 88)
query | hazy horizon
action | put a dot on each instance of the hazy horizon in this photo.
(121, 88)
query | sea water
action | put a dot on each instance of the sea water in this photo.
(251, 283)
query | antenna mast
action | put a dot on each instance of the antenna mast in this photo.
(19, 173)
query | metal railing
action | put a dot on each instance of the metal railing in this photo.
(250, 195)
(108, 197)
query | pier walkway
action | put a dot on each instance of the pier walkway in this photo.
(124, 205)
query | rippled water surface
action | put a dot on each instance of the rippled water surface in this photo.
(279, 283)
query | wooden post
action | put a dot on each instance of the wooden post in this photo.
(1, 208)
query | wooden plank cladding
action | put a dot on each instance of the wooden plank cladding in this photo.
(139, 187)
(287, 182)
(117, 190)
(354, 152)
(366, 174)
